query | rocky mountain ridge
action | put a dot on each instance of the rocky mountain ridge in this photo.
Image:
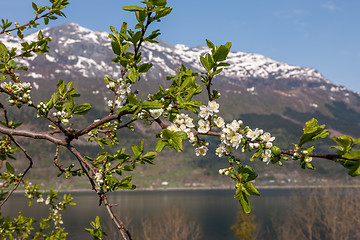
(253, 84)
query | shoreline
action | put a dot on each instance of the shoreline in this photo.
(203, 188)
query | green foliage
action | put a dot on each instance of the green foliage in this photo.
(48, 228)
(172, 108)
(312, 132)
(96, 231)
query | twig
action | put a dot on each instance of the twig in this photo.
(25, 172)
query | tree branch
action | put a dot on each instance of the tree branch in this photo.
(30, 134)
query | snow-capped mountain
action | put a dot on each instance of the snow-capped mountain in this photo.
(252, 84)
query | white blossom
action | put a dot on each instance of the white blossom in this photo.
(254, 134)
(219, 121)
(214, 106)
(98, 178)
(205, 112)
(204, 126)
(267, 137)
(156, 113)
(267, 156)
(201, 151)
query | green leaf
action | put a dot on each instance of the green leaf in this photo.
(312, 132)
(136, 150)
(181, 134)
(82, 109)
(20, 33)
(61, 86)
(221, 53)
(346, 143)
(352, 155)
(152, 104)
(116, 47)
(246, 173)
(133, 75)
(205, 63)
(355, 170)
(216, 72)
(210, 44)
(311, 126)
(4, 53)
(101, 156)
(149, 157)
(256, 154)
(160, 2)
(133, 8)
(145, 67)
(176, 143)
(250, 188)
(10, 168)
(160, 145)
(132, 99)
(243, 199)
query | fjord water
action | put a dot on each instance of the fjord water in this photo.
(215, 211)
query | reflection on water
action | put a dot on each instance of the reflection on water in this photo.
(214, 211)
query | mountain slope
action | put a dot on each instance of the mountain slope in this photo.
(264, 93)
(253, 84)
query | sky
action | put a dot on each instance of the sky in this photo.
(321, 34)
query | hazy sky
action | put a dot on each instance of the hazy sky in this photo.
(322, 34)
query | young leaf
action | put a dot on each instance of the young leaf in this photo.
(352, 155)
(205, 63)
(221, 53)
(312, 132)
(4, 53)
(151, 104)
(160, 145)
(241, 196)
(145, 67)
(82, 109)
(133, 8)
(10, 168)
(250, 188)
(133, 75)
(210, 44)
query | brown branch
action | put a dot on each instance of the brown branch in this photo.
(119, 224)
(24, 173)
(94, 125)
(332, 157)
(82, 161)
(30, 134)
(27, 24)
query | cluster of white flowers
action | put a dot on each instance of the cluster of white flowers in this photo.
(230, 136)
(42, 109)
(209, 110)
(224, 171)
(206, 112)
(183, 123)
(307, 159)
(20, 90)
(57, 218)
(62, 116)
(98, 178)
(122, 91)
(27, 191)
